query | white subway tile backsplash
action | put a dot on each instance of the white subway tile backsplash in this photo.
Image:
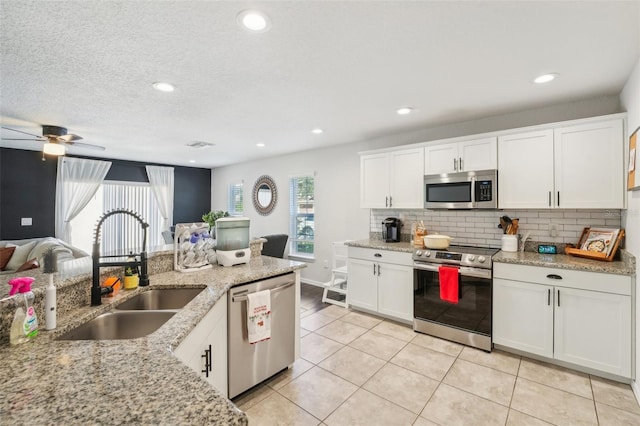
(480, 227)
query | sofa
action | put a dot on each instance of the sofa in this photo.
(25, 251)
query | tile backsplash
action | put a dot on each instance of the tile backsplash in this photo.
(480, 227)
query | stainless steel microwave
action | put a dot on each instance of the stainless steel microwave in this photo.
(464, 190)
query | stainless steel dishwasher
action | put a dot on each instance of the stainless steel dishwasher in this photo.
(250, 364)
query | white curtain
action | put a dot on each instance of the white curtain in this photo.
(161, 181)
(77, 182)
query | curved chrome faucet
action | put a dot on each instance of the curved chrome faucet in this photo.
(96, 290)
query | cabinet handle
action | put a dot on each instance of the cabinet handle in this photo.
(549, 198)
(374, 269)
(558, 298)
(548, 297)
(455, 166)
(558, 198)
(460, 163)
(554, 277)
(390, 201)
(207, 361)
(386, 201)
(378, 269)
(378, 255)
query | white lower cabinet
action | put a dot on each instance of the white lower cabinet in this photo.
(381, 281)
(582, 318)
(204, 350)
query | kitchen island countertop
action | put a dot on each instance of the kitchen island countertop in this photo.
(136, 381)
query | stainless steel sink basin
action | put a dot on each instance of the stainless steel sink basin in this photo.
(119, 325)
(166, 298)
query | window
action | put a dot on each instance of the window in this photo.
(235, 205)
(301, 205)
(119, 233)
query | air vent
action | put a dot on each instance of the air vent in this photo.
(200, 144)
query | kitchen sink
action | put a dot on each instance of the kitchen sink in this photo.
(119, 325)
(156, 299)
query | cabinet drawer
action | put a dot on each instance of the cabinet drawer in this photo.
(384, 256)
(594, 281)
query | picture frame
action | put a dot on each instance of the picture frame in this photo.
(632, 183)
(600, 240)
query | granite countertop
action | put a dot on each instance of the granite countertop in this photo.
(626, 266)
(125, 381)
(401, 246)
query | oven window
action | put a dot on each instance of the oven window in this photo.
(472, 312)
(459, 192)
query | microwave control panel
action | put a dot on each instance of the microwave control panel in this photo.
(484, 190)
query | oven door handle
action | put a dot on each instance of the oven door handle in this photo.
(463, 270)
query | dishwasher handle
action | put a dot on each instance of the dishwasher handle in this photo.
(242, 298)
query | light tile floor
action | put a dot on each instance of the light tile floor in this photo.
(357, 369)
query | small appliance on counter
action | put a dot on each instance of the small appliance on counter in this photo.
(391, 230)
(232, 241)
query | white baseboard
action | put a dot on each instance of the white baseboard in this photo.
(635, 387)
(312, 282)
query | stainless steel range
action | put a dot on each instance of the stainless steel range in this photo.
(469, 320)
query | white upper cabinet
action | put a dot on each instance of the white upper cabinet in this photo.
(589, 165)
(471, 155)
(525, 170)
(392, 179)
(575, 166)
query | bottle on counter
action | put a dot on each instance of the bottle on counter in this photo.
(25, 322)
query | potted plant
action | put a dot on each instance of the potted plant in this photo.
(211, 218)
(131, 278)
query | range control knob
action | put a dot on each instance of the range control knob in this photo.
(427, 253)
(481, 259)
(472, 258)
(418, 252)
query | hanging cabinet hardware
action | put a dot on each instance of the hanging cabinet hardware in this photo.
(390, 201)
(460, 164)
(554, 277)
(558, 198)
(558, 298)
(386, 201)
(549, 297)
(378, 255)
(378, 269)
(549, 198)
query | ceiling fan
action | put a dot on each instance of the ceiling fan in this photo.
(55, 139)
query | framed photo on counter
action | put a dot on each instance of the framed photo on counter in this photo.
(600, 240)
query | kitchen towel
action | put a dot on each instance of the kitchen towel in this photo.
(259, 316)
(448, 284)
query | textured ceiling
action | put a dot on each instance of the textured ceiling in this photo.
(344, 66)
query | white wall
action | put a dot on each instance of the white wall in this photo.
(337, 168)
(630, 101)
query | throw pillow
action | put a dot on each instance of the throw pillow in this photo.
(5, 255)
(20, 255)
(62, 252)
(29, 264)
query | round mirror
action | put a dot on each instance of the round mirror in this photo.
(265, 195)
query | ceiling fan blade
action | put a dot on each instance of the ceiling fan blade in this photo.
(85, 145)
(20, 131)
(69, 138)
(12, 139)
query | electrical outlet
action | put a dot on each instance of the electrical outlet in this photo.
(26, 221)
(326, 264)
(553, 230)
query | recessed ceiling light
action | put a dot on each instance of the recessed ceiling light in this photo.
(192, 161)
(260, 145)
(404, 110)
(254, 21)
(317, 131)
(545, 78)
(163, 87)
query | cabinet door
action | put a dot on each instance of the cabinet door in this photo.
(441, 159)
(589, 169)
(525, 170)
(523, 316)
(363, 284)
(395, 291)
(593, 329)
(374, 180)
(407, 176)
(478, 154)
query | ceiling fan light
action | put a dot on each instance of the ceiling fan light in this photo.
(53, 149)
